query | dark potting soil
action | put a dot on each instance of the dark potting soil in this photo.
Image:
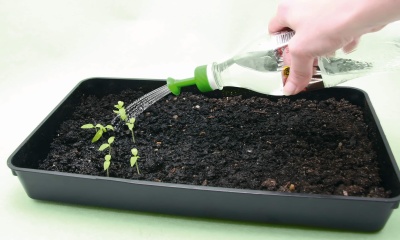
(282, 145)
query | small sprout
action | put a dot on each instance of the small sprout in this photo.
(104, 146)
(107, 145)
(134, 159)
(131, 124)
(107, 157)
(119, 105)
(121, 110)
(122, 113)
(100, 129)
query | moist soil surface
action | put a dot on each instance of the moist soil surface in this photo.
(302, 146)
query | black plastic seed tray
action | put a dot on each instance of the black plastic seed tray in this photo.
(342, 212)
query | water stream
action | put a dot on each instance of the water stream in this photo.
(141, 104)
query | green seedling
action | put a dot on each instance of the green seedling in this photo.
(131, 125)
(100, 129)
(134, 159)
(107, 157)
(121, 111)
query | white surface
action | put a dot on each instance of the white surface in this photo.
(47, 47)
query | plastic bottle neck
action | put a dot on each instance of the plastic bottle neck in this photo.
(214, 76)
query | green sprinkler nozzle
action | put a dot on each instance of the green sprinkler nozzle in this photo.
(200, 80)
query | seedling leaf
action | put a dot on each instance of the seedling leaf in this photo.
(130, 126)
(88, 126)
(134, 151)
(132, 120)
(103, 146)
(111, 140)
(133, 161)
(107, 157)
(122, 113)
(110, 127)
(106, 165)
(120, 103)
(97, 136)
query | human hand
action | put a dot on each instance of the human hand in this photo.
(324, 26)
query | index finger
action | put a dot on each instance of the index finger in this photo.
(301, 71)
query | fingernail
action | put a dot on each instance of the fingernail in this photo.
(289, 89)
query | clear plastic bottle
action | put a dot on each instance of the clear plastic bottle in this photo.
(261, 67)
